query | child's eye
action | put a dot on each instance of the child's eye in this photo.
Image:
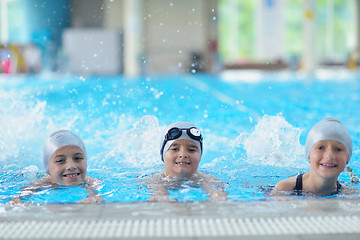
(321, 147)
(78, 158)
(60, 161)
(339, 149)
(174, 148)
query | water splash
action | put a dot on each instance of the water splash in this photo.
(273, 142)
(20, 118)
(139, 146)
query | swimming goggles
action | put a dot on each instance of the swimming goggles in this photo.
(175, 133)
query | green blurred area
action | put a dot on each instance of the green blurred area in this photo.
(237, 26)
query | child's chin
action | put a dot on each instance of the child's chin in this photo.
(72, 183)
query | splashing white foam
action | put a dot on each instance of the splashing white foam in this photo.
(273, 142)
(21, 120)
(139, 146)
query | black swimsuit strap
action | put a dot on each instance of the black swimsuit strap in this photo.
(298, 186)
(338, 186)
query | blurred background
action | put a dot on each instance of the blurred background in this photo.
(137, 37)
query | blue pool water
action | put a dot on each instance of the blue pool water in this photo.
(254, 128)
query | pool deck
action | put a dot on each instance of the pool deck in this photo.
(329, 219)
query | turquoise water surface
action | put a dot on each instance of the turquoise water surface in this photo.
(254, 130)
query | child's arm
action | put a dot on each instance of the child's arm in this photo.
(213, 187)
(284, 186)
(91, 184)
(158, 192)
(28, 191)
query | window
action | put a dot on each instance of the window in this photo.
(334, 29)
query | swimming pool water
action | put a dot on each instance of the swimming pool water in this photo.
(254, 132)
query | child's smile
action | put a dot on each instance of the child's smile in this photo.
(71, 175)
(327, 165)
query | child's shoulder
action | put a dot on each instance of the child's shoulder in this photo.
(204, 175)
(286, 184)
(93, 182)
(46, 181)
(207, 177)
(348, 190)
(154, 179)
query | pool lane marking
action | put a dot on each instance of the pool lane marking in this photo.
(202, 86)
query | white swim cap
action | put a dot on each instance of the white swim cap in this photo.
(57, 140)
(186, 129)
(328, 129)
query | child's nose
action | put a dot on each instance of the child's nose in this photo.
(329, 153)
(71, 165)
(183, 154)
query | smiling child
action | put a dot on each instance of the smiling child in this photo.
(181, 152)
(65, 160)
(328, 149)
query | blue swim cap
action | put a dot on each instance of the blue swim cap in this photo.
(57, 140)
(328, 129)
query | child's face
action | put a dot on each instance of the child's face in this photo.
(182, 159)
(67, 166)
(328, 158)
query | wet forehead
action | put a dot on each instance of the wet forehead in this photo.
(184, 142)
(330, 142)
(68, 150)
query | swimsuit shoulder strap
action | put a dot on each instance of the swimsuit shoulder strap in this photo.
(338, 186)
(298, 186)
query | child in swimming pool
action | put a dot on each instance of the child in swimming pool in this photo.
(181, 152)
(65, 160)
(328, 149)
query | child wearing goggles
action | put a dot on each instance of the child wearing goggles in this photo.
(181, 152)
(328, 149)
